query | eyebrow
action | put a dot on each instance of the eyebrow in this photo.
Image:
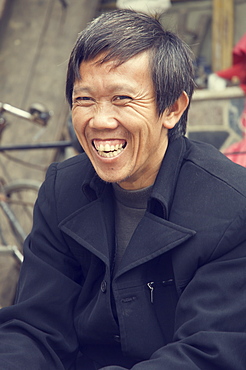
(112, 88)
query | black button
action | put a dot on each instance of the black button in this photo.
(104, 286)
(117, 338)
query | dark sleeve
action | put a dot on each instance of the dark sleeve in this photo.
(210, 330)
(38, 332)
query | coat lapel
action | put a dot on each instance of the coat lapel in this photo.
(92, 226)
(156, 235)
(153, 237)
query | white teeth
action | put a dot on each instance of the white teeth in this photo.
(107, 148)
(109, 151)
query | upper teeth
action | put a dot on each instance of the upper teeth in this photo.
(108, 150)
(108, 147)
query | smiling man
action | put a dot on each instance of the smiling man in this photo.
(137, 255)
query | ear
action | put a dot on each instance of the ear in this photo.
(172, 114)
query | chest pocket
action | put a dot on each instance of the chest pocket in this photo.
(163, 294)
(146, 306)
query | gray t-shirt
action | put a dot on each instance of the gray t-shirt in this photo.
(130, 206)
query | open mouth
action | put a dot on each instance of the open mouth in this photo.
(109, 150)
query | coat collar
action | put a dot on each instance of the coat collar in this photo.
(165, 184)
(92, 226)
(164, 187)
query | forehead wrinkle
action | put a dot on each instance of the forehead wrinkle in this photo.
(112, 88)
(78, 89)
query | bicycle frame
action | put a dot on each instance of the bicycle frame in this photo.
(38, 115)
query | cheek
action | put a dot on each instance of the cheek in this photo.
(78, 121)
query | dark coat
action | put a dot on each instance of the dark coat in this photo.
(178, 299)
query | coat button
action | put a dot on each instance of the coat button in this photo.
(104, 286)
(117, 338)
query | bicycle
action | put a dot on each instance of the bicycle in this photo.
(16, 203)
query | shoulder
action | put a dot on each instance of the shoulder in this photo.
(63, 185)
(209, 164)
(69, 164)
(210, 194)
(73, 171)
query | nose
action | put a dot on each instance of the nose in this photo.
(103, 117)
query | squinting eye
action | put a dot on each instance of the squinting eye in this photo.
(122, 99)
(83, 100)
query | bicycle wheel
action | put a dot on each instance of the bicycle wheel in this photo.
(17, 207)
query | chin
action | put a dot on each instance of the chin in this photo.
(111, 179)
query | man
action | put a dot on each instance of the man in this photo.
(137, 255)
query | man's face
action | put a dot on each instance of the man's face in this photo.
(115, 118)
